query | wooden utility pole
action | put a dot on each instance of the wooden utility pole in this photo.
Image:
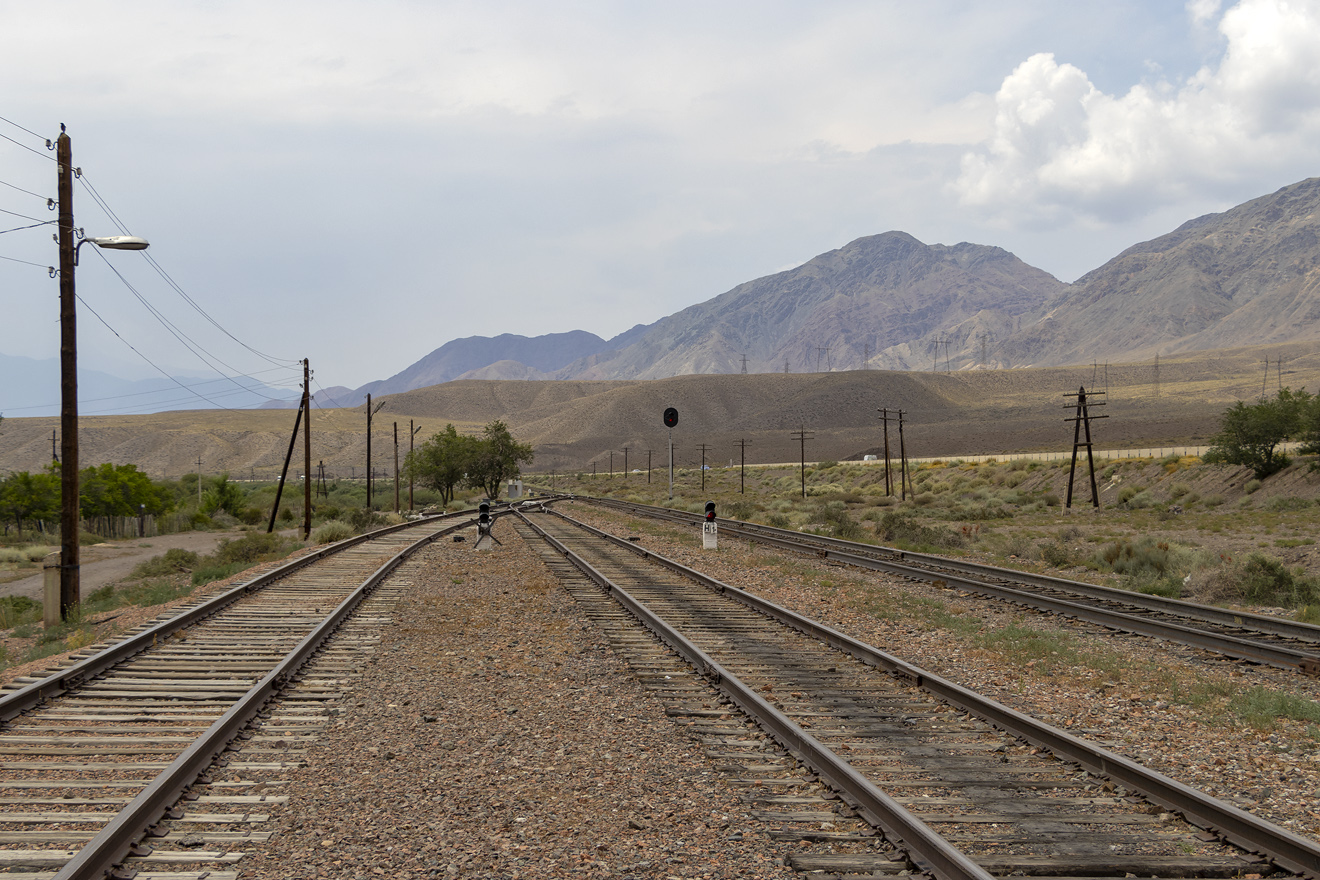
(1082, 421)
(70, 516)
(625, 462)
(413, 434)
(288, 457)
(368, 452)
(611, 462)
(648, 467)
(903, 478)
(703, 447)
(396, 467)
(307, 448)
(802, 436)
(742, 467)
(370, 473)
(54, 451)
(889, 484)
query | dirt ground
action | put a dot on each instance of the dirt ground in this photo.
(109, 562)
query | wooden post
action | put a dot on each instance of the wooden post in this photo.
(70, 590)
(307, 448)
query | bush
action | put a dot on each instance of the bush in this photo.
(1267, 581)
(252, 548)
(903, 528)
(334, 530)
(173, 561)
(835, 516)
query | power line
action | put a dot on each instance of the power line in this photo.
(26, 147)
(178, 334)
(33, 226)
(25, 216)
(25, 262)
(147, 359)
(151, 261)
(21, 128)
(47, 199)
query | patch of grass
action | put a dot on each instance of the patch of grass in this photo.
(1262, 708)
(18, 610)
(904, 529)
(331, 531)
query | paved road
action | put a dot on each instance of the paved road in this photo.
(105, 564)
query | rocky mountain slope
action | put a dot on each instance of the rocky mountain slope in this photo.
(1247, 276)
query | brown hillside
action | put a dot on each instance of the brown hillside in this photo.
(573, 424)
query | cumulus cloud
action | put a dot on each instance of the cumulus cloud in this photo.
(1061, 146)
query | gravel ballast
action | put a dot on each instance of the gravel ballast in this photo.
(495, 735)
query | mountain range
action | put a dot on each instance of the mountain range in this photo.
(1247, 276)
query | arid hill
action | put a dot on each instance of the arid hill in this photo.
(575, 424)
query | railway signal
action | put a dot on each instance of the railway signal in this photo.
(671, 419)
(485, 540)
(709, 530)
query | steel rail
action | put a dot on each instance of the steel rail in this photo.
(1250, 832)
(1292, 629)
(60, 681)
(1237, 647)
(929, 850)
(122, 836)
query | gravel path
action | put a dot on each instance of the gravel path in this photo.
(107, 563)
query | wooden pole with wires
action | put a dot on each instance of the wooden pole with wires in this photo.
(307, 448)
(70, 587)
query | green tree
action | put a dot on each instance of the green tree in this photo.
(223, 495)
(499, 457)
(1250, 434)
(120, 490)
(25, 496)
(441, 462)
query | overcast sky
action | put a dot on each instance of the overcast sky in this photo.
(360, 182)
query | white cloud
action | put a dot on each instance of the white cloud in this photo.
(1062, 147)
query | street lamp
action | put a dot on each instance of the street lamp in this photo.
(69, 502)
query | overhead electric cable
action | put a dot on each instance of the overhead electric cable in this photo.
(26, 262)
(26, 147)
(21, 128)
(178, 334)
(24, 216)
(147, 359)
(151, 260)
(27, 191)
(33, 226)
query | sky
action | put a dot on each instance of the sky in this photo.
(357, 183)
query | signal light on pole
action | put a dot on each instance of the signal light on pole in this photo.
(710, 511)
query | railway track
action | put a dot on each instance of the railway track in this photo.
(963, 786)
(160, 755)
(1255, 638)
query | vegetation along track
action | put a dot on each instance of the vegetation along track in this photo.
(162, 752)
(964, 786)
(1256, 638)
